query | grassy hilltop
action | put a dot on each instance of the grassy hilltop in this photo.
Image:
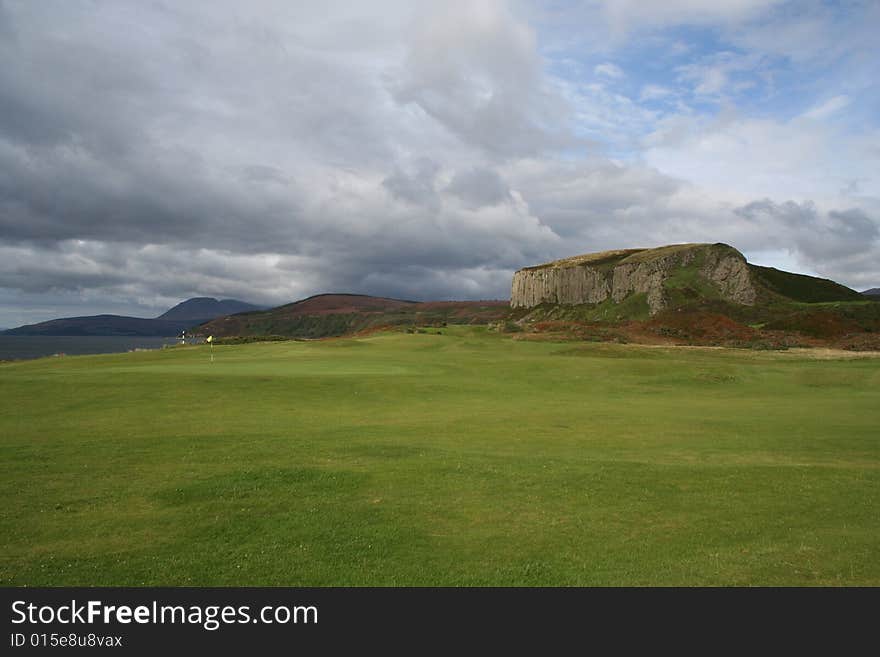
(463, 458)
(691, 294)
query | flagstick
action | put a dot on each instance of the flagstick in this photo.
(212, 351)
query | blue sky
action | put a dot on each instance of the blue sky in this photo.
(714, 64)
(151, 152)
(771, 100)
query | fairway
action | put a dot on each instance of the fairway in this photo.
(467, 458)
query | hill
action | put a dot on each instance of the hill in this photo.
(799, 287)
(652, 280)
(201, 309)
(170, 323)
(873, 292)
(327, 315)
(689, 294)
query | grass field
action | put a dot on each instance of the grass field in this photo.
(466, 458)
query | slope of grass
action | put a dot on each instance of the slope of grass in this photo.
(633, 306)
(806, 289)
(466, 458)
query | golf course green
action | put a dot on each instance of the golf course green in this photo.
(460, 458)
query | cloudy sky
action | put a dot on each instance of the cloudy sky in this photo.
(156, 150)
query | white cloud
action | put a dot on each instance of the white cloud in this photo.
(608, 70)
(720, 75)
(765, 157)
(826, 109)
(474, 68)
(814, 31)
(625, 15)
(655, 92)
(603, 116)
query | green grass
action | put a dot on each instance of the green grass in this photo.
(633, 306)
(466, 458)
(805, 289)
(686, 285)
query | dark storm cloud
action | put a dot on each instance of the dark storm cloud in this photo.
(479, 187)
(161, 150)
(57, 273)
(834, 234)
(846, 242)
(57, 194)
(112, 136)
(416, 187)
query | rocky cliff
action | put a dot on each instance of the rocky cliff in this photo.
(718, 270)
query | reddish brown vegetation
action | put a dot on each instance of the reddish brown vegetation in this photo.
(711, 329)
(702, 326)
(331, 304)
(819, 324)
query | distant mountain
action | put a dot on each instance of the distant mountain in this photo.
(102, 325)
(873, 292)
(179, 318)
(201, 309)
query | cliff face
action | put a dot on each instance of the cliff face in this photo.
(593, 278)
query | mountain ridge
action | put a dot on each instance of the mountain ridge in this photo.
(200, 309)
(335, 314)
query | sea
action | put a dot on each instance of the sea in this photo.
(15, 347)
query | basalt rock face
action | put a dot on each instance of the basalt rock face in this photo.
(596, 277)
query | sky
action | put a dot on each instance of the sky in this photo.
(152, 150)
